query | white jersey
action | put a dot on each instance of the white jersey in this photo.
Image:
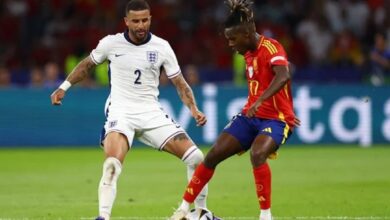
(134, 71)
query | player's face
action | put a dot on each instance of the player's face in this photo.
(238, 39)
(138, 23)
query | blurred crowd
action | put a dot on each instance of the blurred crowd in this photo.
(327, 41)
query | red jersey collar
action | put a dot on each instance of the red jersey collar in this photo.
(249, 53)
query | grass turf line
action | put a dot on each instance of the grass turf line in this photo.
(309, 182)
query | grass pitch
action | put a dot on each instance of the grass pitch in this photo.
(315, 182)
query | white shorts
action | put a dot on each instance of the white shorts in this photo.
(154, 128)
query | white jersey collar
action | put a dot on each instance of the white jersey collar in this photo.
(126, 35)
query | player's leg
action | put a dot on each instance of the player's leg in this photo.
(172, 138)
(179, 144)
(165, 134)
(271, 134)
(262, 147)
(225, 147)
(183, 147)
(235, 138)
(116, 146)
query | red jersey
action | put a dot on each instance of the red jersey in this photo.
(259, 75)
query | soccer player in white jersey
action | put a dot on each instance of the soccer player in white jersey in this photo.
(136, 58)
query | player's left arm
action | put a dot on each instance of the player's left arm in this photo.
(277, 59)
(187, 97)
(79, 73)
(282, 76)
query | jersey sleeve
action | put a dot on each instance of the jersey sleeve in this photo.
(276, 54)
(170, 63)
(100, 53)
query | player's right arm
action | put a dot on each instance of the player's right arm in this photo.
(172, 70)
(187, 97)
(79, 73)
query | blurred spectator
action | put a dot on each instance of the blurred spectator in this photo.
(191, 75)
(37, 78)
(312, 32)
(380, 60)
(53, 75)
(346, 50)
(333, 12)
(5, 78)
(315, 34)
(352, 15)
(357, 13)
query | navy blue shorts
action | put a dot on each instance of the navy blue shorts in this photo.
(247, 129)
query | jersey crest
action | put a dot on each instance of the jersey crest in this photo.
(250, 72)
(152, 56)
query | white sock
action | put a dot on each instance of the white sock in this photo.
(112, 168)
(265, 214)
(106, 216)
(184, 206)
(192, 157)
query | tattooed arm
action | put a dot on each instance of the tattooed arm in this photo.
(79, 73)
(187, 97)
(81, 70)
(185, 91)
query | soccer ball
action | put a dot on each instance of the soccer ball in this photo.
(199, 214)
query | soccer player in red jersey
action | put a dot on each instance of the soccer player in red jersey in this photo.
(267, 118)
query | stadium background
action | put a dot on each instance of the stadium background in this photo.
(343, 90)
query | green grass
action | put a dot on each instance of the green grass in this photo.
(308, 182)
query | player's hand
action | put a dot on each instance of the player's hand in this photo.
(297, 122)
(57, 96)
(199, 117)
(253, 109)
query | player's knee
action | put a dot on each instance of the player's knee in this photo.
(213, 158)
(112, 168)
(193, 156)
(258, 156)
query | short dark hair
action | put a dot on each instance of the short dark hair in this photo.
(240, 12)
(137, 5)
